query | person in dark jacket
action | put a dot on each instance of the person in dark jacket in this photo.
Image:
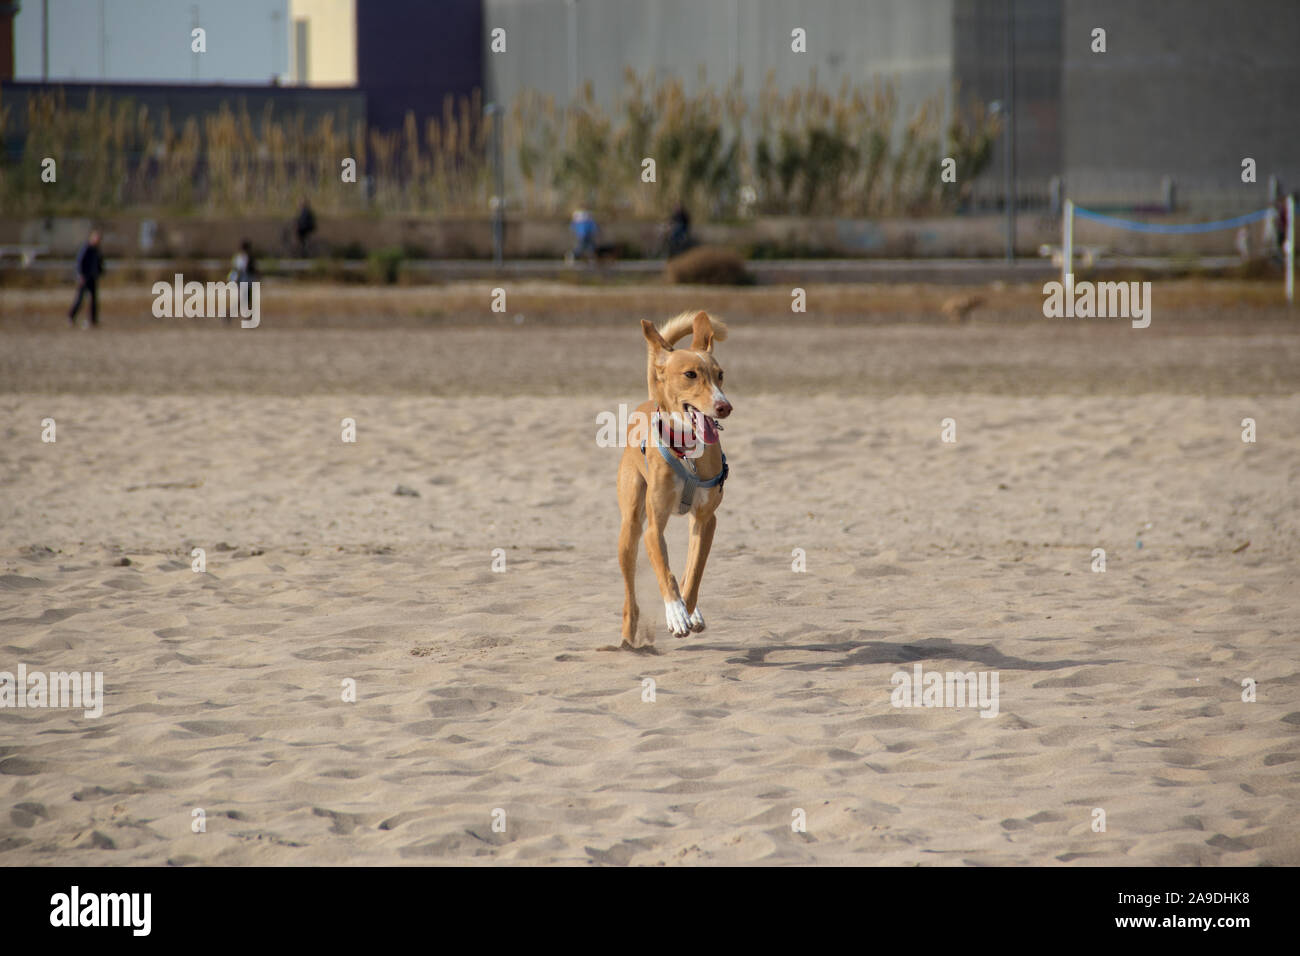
(304, 226)
(90, 265)
(679, 231)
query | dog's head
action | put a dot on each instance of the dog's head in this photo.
(687, 381)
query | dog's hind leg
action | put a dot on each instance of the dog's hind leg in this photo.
(631, 503)
(697, 554)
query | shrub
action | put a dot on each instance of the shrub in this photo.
(386, 264)
(708, 265)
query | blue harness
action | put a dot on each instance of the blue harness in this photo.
(690, 480)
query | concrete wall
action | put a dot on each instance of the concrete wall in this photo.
(965, 236)
(1187, 88)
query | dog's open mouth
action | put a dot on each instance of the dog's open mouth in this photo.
(705, 426)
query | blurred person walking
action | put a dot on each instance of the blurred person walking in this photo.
(243, 270)
(1275, 225)
(584, 229)
(1280, 225)
(90, 266)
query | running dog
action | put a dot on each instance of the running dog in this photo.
(673, 462)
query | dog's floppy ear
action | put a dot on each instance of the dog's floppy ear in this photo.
(703, 333)
(653, 337)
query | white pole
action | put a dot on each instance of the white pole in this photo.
(1067, 241)
(1290, 248)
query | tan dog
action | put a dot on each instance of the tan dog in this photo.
(673, 462)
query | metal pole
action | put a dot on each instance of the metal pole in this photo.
(500, 123)
(1009, 166)
(1290, 248)
(499, 177)
(275, 34)
(1067, 241)
(573, 48)
(572, 7)
(735, 39)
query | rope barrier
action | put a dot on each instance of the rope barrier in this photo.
(1171, 229)
(1070, 210)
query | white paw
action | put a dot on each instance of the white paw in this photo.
(696, 620)
(678, 622)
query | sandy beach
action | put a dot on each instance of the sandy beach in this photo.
(487, 695)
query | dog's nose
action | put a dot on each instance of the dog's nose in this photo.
(724, 408)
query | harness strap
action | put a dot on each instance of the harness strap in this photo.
(690, 481)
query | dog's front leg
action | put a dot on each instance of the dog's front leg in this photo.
(631, 505)
(701, 541)
(657, 549)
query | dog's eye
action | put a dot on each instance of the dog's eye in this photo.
(719, 376)
(690, 374)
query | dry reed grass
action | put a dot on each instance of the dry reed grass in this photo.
(804, 152)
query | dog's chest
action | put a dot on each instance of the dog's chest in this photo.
(687, 502)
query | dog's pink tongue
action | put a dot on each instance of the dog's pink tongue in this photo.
(707, 429)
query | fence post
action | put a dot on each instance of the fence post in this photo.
(498, 201)
(1290, 248)
(1067, 241)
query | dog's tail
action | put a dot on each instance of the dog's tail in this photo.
(680, 326)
